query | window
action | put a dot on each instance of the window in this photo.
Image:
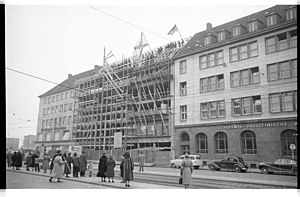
(185, 137)
(246, 106)
(48, 136)
(291, 13)
(71, 94)
(69, 120)
(282, 70)
(201, 143)
(65, 135)
(183, 112)
(271, 20)
(70, 106)
(283, 102)
(52, 110)
(65, 120)
(213, 109)
(48, 110)
(61, 108)
(236, 31)
(45, 100)
(45, 111)
(62, 96)
(245, 77)
(212, 83)
(43, 124)
(253, 26)
(56, 109)
(221, 36)
(281, 41)
(56, 136)
(67, 95)
(210, 60)
(183, 88)
(221, 144)
(51, 122)
(248, 142)
(288, 137)
(66, 107)
(49, 99)
(182, 67)
(53, 98)
(55, 121)
(57, 97)
(40, 137)
(207, 40)
(59, 120)
(243, 51)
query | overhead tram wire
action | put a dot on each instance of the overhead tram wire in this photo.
(128, 22)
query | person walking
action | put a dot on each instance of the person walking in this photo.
(57, 171)
(33, 156)
(83, 163)
(8, 157)
(121, 169)
(102, 167)
(68, 165)
(46, 161)
(141, 160)
(37, 164)
(186, 171)
(52, 161)
(28, 161)
(127, 165)
(14, 159)
(110, 163)
(90, 168)
(19, 160)
(76, 165)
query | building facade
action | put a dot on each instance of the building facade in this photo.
(12, 143)
(236, 88)
(29, 142)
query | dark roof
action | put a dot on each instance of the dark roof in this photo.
(196, 43)
(67, 84)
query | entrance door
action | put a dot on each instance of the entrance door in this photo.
(185, 149)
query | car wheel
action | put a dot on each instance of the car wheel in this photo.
(265, 170)
(173, 165)
(211, 167)
(237, 169)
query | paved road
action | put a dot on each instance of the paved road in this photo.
(15, 180)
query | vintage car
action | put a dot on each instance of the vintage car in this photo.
(236, 164)
(195, 159)
(282, 166)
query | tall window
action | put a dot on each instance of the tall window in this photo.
(45, 100)
(213, 109)
(69, 120)
(70, 106)
(245, 77)
(183, 112)
(53, 98)
(253, 26)
(62, 95)
(236, 31)
(288, 137)
(201, 143)
(183, 88)
(221, 144)
(221, 36)
(281, 41)
(56, 136)
(48, 136)
(207, 40)
(246, 106)
(57, 97)
(272, 20)
(185, 137)
(283, 101)
(243, 51)
(211, 59)
(291, 13)
(248, 142)
(182, 67)
(67, 95)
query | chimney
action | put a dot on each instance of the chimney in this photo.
(208, 27)
(69, 76)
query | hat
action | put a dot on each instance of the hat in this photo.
(186, 156)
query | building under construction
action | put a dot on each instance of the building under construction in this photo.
(127, 104)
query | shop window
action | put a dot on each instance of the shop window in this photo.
(248, 142)
(221, 143)
(201, 143)
(288, 137)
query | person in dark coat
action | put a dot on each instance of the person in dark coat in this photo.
(28, 161)
(83, 163)
(9, 157)
(19, 160)
(127, 165)
(110, 168)
(102, 167)
(33, 165)
(121, 169)
(13, 160)
(76, 165)
(68, 165)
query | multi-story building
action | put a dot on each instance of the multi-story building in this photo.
(12, 143)
(236, 88)
(29, 142)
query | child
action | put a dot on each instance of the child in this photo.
(90, 168)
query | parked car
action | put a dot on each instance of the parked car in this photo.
(197, 162)
(236, 164)
(283, 166)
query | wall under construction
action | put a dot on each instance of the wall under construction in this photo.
(131, 97)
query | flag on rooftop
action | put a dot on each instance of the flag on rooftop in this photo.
(173, 30)
(139, 46)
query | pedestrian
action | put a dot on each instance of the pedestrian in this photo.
(9, 157)
(14, 159)
(28, 161)
(33, 156)
(76, 165)
(141, 160)
(57, 171)
(110, 163)
(90, 168)
(37, 164)
(52, 161)
(19, 160)
(121, 169)
(68, 165)
(127, 165)
(102, 167)
(46, 161)
(83, 163)
(186, 171)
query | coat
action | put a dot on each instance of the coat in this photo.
(83, 162)
(186, 169)
(127, 166)
(102, 167)
(68, 162)
(8, 157)
(141, 159)
(28, 161)
(57, 171)
(46, 161)
(13, 159)
(110, 168)
(19, 160)
(33, 159)
(76, 161)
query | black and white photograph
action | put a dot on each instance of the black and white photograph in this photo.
(174, 96)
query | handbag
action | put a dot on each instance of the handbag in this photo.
(180, 180)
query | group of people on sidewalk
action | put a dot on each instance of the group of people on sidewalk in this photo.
(14, 159)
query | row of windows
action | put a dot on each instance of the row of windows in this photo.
(278, 102)
(57, 121)
(275, 71)
(247, 139)
(274, 43)
(56, 137)
(55, 109)
(58, 97)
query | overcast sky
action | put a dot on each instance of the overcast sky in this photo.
(50, 41)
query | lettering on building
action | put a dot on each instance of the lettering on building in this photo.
(253, 125)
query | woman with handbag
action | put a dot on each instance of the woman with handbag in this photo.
(186, 171)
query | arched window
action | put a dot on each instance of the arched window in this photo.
(221, 144)
(201, 143)
(248, 142)
(288, 137)
(185, 137)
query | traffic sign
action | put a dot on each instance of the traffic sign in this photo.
(292, 147)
